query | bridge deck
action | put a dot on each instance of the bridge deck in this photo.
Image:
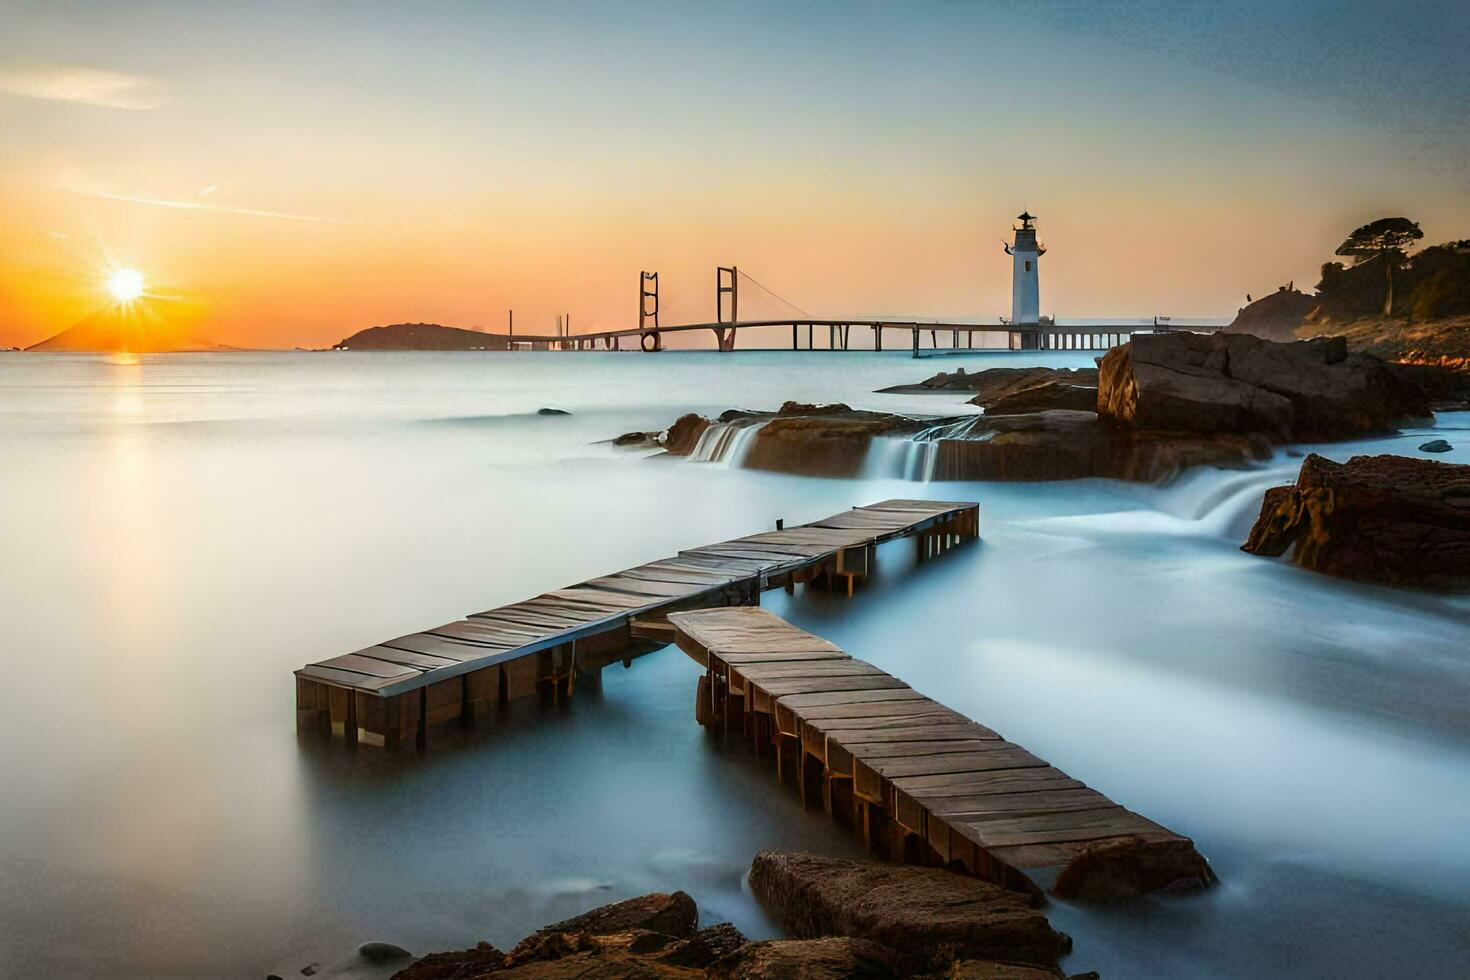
(397, 687)
(909, 763)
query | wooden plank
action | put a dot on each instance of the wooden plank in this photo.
(369, 665)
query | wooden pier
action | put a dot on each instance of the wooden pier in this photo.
(922, 782)
(402, 688)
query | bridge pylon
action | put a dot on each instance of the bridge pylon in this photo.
(649, 338)
(725, 337)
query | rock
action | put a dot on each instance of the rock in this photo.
(551, 411)
(813, 445)
(1127, 867)
(646, 439)
(1435, 446)
(1395, 520)
(1070, 445)
(1445, 390)
(382, 952)
(926, 915)
(990, 970)
(704, 947)
(681, 437)
(994, 383)
(1041, 398)
(1236, 383)
(832, 958)
(669, 915)
(1274, 316)
(457, 965)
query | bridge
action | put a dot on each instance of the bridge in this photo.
(806, 330)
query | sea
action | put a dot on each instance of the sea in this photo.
(179, 532)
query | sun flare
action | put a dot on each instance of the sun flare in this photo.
(125, 285)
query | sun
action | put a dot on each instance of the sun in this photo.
(125, 285)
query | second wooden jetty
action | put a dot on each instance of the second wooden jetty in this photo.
(399, 689)
(923, 782)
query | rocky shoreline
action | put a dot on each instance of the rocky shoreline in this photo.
(847, 919)
(1154, 407)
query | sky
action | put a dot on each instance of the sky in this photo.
(285, 174)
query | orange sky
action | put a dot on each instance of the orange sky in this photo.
(283, 178)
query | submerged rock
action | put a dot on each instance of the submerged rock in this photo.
(1126, 867)
(926, 915)
(1435, 446)
(552, 411)
(1236, 383)
(1395, 520)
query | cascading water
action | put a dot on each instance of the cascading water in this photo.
(726, 442)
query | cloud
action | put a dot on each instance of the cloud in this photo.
(197, 206)
(86, 86)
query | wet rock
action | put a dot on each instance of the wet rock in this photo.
(1395, 520)
(1127, 867)
(551, 411)
(990, 970)
(670, 915)
(831, 958)
(1435, 446)
(681, 437)
(377, 952)
(644, 439)
(1041, 398)
(813, 445)
(928, 916)
(704, 947)
(1236, 383)
(1070, 445)
(994, 383)
(462, 964)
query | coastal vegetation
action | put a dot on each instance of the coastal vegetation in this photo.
(1385, 300)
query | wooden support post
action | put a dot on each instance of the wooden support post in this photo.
(421, 737)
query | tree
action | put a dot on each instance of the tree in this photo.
(1384, 239)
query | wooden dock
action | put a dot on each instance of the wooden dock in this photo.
(922, 782)
(400, 689)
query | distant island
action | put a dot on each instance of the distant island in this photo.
(420, 336)
(135, 328)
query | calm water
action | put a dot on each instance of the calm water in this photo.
(180, 532)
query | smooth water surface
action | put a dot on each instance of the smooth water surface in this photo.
(180, 532)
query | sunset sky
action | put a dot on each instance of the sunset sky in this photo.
(287, 173)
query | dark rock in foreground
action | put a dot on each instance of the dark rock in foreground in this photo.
(683, 435)
(1435, 446)
(670, 915)
(926, 915)
(1388, 519)
(855, 919)
(831, 958)
(1126, 867)
(1236, 383)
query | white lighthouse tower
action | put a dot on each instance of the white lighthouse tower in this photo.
(1025, 254)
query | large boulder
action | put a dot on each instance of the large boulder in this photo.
(1236, 383)
(926, 915)
(1391, 519)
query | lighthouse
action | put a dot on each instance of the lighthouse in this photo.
(1025, 255)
